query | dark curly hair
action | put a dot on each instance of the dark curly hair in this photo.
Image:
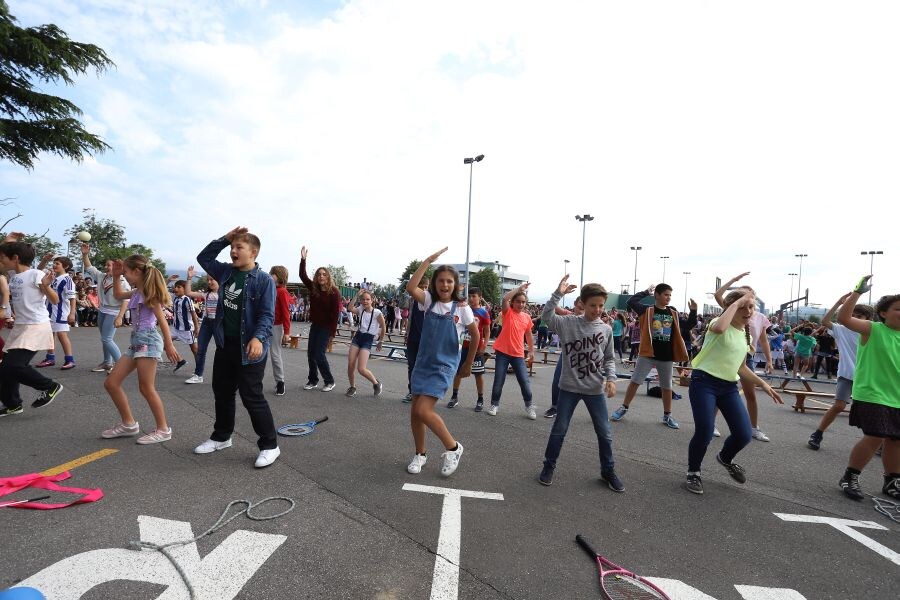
(884, 303)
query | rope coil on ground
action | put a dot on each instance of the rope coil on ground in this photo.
(888, 508)
(219, 524)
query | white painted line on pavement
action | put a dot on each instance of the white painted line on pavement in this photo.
(445, 580)
(846, 526)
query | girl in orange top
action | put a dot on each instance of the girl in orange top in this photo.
(509, 348)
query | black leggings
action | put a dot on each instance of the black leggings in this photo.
(14, 370)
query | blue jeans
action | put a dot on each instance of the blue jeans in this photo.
(596, 405)
(107, 324)
(203, 337)
(554, 387)
(501, 362)
(708, 393)
(315, 353)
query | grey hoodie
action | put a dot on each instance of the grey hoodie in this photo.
(587, 350)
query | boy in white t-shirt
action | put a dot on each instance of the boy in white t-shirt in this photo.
(29, 289)
(61, 312)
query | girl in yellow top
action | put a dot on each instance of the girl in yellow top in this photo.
(714, 384)
(876, 391)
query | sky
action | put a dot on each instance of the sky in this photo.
(728, 136)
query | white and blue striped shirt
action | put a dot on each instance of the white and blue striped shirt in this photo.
(182, 307)
(65, 288)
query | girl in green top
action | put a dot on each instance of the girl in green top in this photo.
(876, 391)
(717, 368)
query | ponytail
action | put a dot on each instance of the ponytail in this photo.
(153, 284)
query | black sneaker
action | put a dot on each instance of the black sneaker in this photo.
(892, 488)
(613, 481)
(479, 406)
(7, 411)
(279, 388)
(47, 397)
(550, 413)
(180, 364)
(546, 476)
(850, 484)
(453, 402)
(815, 440)
(736, 471)
(694, 484)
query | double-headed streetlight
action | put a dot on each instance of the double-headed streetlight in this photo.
(635, 248)
(471, 162)
(799, 279)
(871, 254)
(685, 273)
(584, 219)
(664, 259)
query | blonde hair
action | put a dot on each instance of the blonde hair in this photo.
(732, 297)
(153, 284)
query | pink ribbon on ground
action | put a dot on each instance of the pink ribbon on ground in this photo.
(8, 485)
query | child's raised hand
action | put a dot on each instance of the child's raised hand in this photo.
(47, 279)
(173, 277)
(739, 277)
(85, 249)
(236, 231)
(303, 252)
(435, 256)
(48, 256)
(190, 272)
(565, 287)
(15, 236)
(864, 285)
(118, 268)
(692, 305)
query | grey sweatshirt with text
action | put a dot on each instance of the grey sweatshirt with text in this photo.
(587, 350)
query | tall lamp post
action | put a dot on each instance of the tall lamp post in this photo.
(799, 279)
(685, 273)
(584, 220)
(635, 248)
(871, 254)
(791, 297)
(565, 266)
(664, 259)
(471, 162)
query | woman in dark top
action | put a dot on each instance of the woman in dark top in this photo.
(825, 345)
(324, 307)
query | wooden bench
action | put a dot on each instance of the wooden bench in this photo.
(801, 396)
(547, 352)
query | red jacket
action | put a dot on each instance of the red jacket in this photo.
(282, 309)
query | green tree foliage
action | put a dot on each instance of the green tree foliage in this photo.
(32, 122)
(339, 275)
(199, 284)
(411, 268)
(388, 292)
(108, 241)
(489, 283)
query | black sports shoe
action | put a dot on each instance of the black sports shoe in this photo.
(694, 484)
(892, 488)
(453, 402)
(180, 364)
(279, 388)
(850, 484)
(14, 410)
(815, 440)
(479, 406)
(47, 397)
(550, 413)
(736, 471)
(546, 476)
(613, 481)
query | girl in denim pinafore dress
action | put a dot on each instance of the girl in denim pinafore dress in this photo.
(437, 360)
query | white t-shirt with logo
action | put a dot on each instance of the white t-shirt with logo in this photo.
(368, 321)
(463, 317)
(27, 298)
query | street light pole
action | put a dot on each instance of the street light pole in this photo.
(799, 279)
(664, 259)
(635, 248)
(685, 273)
(584, 219)
(471, 162)
(791, 297)
(871, 254)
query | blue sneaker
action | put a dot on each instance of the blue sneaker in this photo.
(669, 422)
(619, 413)
(613, 481)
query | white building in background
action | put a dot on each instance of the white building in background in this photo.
(508, 279)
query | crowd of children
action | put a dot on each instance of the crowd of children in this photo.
(248, 313)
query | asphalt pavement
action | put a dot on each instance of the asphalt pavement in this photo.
(362, 527)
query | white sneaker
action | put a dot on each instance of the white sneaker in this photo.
(211, 446)
(493, 410)
(415, 466)
(450, 460)
(328, 387)
(716, 432)
(310, 386)
(529, 410)
(267, 457)
(194, 379)
(759, 435)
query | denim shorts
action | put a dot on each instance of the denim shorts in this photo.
(147, 343)
(843, 389)
(363, 340)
